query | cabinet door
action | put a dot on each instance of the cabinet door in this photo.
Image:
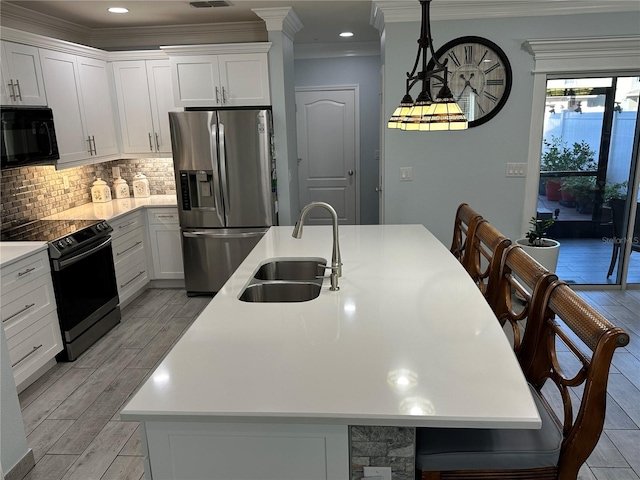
(22, 67)
(134, 107)
(161, 96)
(166, 251)
(196, 81)
(62, 86)
(244, 79)
(96, 102)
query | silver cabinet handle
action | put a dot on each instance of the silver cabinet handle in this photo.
(35, 349)
(222, 235)
(19, 95)
(89, 142)
(127, 283)
(12, 86)
(157, 143)
(217, 95)
(28, 270)
(26, 307)
(165, 216)
(127, 224)
(93, 139)
(224, 95)
(150, 144)
(127, 249)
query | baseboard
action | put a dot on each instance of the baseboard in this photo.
(177, 283)
(36, 375)
(20, 470)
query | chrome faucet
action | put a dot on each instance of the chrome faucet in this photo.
(336, 261)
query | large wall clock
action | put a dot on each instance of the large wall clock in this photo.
(479, 77)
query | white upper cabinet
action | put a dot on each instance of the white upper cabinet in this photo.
(145, 98)
(96, 96)
(21, 75)
(222, 79)
(78, 93)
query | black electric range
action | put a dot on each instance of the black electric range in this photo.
(83, 277)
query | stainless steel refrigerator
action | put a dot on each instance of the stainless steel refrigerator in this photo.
(225, 175)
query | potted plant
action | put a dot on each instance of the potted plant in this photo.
(559, 157)
(544, 250)
(583, 191)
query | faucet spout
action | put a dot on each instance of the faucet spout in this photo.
(336, 259)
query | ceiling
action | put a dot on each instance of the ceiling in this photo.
(323, 20)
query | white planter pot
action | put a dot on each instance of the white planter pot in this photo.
(546, 256)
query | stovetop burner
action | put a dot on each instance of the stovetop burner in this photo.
(64, 236)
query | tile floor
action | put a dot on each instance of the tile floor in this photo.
(71, 413)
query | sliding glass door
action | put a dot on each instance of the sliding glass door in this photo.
(587, 171)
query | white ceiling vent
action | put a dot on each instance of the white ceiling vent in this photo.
(213, 3)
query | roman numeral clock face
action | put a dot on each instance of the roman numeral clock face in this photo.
(479, 76)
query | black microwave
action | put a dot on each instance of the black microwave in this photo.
(28, 137)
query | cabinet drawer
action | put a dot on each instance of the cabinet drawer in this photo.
(127, 246)
(24, 306)
(131, 280)
(126, 224)
(34, 346)
(163, 216)
(23, 271)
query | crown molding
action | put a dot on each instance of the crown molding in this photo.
(332, 50)
(585, 54)
(392, 11)
(134, 37)
(222, 48)
(40, 41)
(137, 55)
(19, 18)
(283, 19)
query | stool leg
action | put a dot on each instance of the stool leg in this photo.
(614, 257)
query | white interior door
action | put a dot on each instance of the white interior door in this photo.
(327, 123)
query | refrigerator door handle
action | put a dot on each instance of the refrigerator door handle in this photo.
(217, 198)
(223, 173)
(223, 235)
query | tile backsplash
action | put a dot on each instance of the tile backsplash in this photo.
(29, 193)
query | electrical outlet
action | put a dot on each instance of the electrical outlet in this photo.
(65, 181)
(516, 170)
(381, 473)
(406, 174)
(116, 172)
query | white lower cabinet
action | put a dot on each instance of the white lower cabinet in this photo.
(237, 451)
(129, 255)
(166, 246)
(29, 316)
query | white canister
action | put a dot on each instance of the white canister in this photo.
(141, 186)
(121, 188)
(100, 192)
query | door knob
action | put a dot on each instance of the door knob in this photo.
(350, 172)
(378, 189)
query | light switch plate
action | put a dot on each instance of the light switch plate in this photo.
(382, 473)
(516, 170)
(406, 174)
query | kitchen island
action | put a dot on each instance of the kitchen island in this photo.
(408, 340)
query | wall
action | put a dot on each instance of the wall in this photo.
(30, 193)
(365, 72)
(469, 166)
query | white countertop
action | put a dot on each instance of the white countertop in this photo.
(406, 309)
(114, 208)
(11, 252)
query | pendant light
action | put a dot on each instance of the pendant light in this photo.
(427, 113)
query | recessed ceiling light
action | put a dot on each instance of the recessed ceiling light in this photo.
(346, 34)
(118, 10)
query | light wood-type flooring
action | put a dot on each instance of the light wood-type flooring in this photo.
(72, 420)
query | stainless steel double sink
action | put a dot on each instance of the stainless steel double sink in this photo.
(286, 280)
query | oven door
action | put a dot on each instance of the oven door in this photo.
(85, 288)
